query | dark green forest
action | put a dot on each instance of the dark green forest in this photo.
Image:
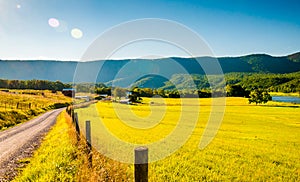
(34, 84)
(286, 83)
(237, 84)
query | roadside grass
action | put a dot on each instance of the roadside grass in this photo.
(17, 106)
(61, 158)
(56, 158)
(254, 142)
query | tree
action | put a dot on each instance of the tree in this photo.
(134, 98)
(236, 91)
(161, 92)
(259, 96)
(119, 92)
(174, 94)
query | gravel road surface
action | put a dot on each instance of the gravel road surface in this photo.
(20, 141)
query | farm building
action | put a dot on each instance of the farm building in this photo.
(125, 101)
(69, 92)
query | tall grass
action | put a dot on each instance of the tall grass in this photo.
(62, 158)
(56, 159)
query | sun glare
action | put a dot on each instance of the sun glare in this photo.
(76, 33)
(53, 22)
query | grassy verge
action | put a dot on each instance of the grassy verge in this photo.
(61, 158)
(56, 159)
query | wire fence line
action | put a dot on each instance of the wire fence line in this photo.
(140, 153)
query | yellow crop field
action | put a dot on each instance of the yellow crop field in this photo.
(253, 142)
(18, 106)
(29, 99)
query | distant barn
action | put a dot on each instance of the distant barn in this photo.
(69, 92)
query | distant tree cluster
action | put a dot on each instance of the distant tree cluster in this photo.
(103, 90)
(136, 92)
(259, 96)
(119, 92)
(236, 91)
(256, 95)
(33, 84)
(287, 83)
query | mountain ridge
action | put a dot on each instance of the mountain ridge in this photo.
(290, 56)
(64, 70)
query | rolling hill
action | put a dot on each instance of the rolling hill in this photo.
(142, 71)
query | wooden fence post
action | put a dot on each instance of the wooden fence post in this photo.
(141, 164)
(89, 141)
(73, 116)
(69, 110)
(88, 131)
(77, 125)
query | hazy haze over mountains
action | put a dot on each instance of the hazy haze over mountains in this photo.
(64, 70)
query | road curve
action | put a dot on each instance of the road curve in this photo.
(15, 141)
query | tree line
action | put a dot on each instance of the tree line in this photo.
(34, 84)
(149, 92)
(257, 95)
(286, 83)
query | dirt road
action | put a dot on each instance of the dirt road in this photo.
(19, 142)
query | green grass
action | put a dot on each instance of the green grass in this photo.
(19, 106)
(254, 143)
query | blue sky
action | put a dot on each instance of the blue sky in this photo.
(230, 28)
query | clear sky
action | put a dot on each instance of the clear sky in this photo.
(41, 29)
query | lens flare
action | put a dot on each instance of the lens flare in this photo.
(76, 33)
(53, 22)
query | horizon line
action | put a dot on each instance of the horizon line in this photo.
(135, 58)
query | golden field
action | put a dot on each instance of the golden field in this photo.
(253, 142)
(17, 106)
